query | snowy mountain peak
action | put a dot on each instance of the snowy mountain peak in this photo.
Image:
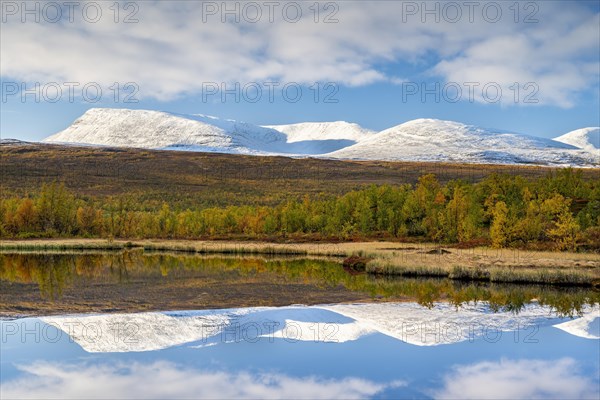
(10, 142)
(162, 130)
(427, 128)
(430, 122)
(585, 138)
(323, 131)
(449, 141)
(417, 140)
(198, 132)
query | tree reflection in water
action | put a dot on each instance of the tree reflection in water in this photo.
(53, 272)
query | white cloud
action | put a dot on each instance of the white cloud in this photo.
(172, 50)
(162, 380)
(518, 379)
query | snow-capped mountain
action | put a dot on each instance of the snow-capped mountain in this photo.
(435, 140)
(170, 131)
(161, 130)
(418, 140)
(323, 131)
(585, 138)
(324, 137)
(12, 142)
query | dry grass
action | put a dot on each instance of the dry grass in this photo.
(409, 254)
(569, 269)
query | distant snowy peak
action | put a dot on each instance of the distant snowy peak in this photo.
(163, 130)
(585, 138)
(197, 132)
(436, 140)
(156, 130)
(450, 132)
(12, 142)
(323, 131)
(418, 140)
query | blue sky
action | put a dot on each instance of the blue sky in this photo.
(532, 67)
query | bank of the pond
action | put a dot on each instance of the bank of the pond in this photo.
(45, 282)
(384, 258)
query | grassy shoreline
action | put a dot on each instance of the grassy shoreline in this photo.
(384, 258)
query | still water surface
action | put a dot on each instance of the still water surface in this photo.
(54, 283)
(418, 339)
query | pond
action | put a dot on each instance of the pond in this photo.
(134, 281)
(360, 337)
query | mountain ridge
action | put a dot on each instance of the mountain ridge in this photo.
(417, 140)
(438, 140)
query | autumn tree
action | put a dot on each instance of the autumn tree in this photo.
(563, 228)
(26, 217)
(460, 217)
(499, 230)
(89, 220)
(57, 209)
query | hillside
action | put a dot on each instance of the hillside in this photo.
(168, 131)
(435, 140)
(160, 130)
(322, 137)
(419, 140)
(215, 179)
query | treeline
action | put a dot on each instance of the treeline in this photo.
(561, 211)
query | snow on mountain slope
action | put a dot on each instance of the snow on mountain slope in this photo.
(323, 131)
(161, 130)
(435, 140)
(418, 140)
(585, 138)
(401, 321)
(197, 132)
(316, 138)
